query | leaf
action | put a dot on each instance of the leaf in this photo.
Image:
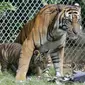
(6, 6)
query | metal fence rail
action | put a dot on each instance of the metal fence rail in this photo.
(11, 23)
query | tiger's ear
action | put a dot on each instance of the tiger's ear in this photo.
(76, 4)
(78, 7)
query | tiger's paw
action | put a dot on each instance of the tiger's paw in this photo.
(20, 77)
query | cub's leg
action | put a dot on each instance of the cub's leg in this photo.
(39, 70)
(4, 60)
(4, 66)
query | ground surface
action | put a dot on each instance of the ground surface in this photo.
(9, 79)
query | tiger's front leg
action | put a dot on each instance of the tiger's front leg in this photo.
(61, 56)
(57, 59)
(26, 54)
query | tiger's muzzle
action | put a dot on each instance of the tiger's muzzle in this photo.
(73, 29)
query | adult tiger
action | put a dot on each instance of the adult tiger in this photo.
(50, 25)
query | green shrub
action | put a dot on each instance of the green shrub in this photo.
(6, 6)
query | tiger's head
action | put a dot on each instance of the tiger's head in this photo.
(70, 21)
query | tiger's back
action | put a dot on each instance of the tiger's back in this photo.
(24, 32)
(31, 28)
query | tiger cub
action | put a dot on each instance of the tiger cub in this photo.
(40, 63)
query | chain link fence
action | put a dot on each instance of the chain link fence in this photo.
(12, 21)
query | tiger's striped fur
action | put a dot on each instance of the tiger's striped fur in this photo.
(9, 55)
(50, 25)
(9, 58)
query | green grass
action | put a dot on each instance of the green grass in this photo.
(9, 79)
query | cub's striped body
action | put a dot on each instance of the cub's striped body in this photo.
(9, 55)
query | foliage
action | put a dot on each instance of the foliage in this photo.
(50, 1)
(6, 6)
(55, 1)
